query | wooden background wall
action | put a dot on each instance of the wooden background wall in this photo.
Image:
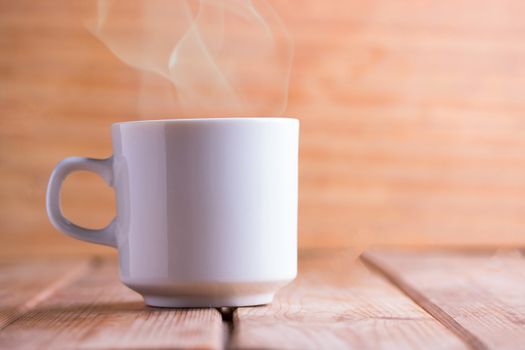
(413, 120)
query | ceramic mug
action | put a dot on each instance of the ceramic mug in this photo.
(206, 208)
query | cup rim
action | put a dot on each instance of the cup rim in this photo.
(207, 120)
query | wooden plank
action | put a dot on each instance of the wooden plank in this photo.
(478, 295)
(97, 312)
(336, 302)
(24, 284)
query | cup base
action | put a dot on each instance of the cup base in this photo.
(215, 301)
(166, 293)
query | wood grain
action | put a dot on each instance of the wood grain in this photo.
(479, 296)
(336, 303)
(96, 311)
(411, 115)
(26, 283)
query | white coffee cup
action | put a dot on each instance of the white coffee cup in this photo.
(206, 208)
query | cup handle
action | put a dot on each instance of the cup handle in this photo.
(102, 167)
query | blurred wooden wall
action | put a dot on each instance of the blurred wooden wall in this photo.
(413, 121)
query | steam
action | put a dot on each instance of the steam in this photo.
(222, 57)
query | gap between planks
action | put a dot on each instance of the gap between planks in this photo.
(228, 325)
(425, 303)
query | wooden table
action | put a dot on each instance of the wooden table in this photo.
(385, 299)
